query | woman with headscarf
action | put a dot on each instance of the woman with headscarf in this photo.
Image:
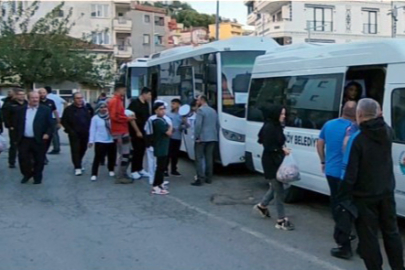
(100, 136)
(271, 136)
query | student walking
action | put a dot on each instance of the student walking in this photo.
(161, 139)
(149, 144)
(175, 139)
(271, 136)
(101, 138)
(120, 132)
(368, 182)
(76, 121)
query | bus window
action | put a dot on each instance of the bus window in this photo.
(186, 84)
(310, 100)
(236, 72)
(398, 114)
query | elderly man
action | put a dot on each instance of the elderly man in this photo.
(33, 128)
(368, 182)
(76, 120)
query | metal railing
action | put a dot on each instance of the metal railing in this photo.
(320, 26)
(369, 28)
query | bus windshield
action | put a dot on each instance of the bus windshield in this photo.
(137, 80)
(236, 72)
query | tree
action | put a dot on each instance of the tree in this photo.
(43, 51)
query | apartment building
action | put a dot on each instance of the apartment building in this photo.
(180, 36)
(150, 30)
(325, 21)
(226, 30)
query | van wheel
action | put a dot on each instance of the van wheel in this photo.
(293, 194)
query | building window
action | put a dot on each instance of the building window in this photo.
(146, 19)
(159, 40)
(160, 21)
(146, 39)
(370, 22)
(100, 38)
(322, 19)
(99, 11)
(250, 7)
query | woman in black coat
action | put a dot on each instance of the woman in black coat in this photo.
(271, 136)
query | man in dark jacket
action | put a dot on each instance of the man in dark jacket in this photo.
(9, 109)
(368, 181)
(33, 128)
(76, 120)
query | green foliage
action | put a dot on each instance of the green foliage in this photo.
(41, 51)
(184, 13)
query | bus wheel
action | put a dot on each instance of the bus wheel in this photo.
(293, 194)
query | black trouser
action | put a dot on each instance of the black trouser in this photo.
(161, 163)
(333, 183)
(174, 151)
(12, 152)
(31, 156)
(48, 142)
(374, 214)
(101, 150)
(138, 152)
(78, 148)
(204, 159)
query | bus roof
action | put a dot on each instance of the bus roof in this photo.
(138, 62)
(315, 56)
(232, 44)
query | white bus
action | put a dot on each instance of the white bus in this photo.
(309, 81)
(220, 70)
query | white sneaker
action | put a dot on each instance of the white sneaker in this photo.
(144, 173)
(136, 176)
(93, 178)
(112, 174)
(159, 191)
(78, 172)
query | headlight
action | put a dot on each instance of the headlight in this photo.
(233, 136)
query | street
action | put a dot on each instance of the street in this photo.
(70, 223)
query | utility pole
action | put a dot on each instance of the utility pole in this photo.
(217, 22)
(393, 20)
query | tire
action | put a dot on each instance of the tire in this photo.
(293, 194)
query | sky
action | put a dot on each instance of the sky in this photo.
(228, 9)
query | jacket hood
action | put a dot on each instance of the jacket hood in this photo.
(377, 130)
(272, 114)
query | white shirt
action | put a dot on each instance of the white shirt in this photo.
(99, 132)
(29, 121)
(59, 103)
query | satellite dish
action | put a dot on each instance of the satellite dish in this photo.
(184, 110)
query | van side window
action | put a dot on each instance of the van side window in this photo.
(310, 100)
(398, 114)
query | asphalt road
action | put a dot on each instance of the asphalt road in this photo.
(71, 223)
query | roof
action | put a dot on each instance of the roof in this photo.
(149, 9)
(232, 44)
(316, 56)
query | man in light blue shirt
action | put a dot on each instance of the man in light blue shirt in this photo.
(175, 139)
(332, 138)
(60, 105)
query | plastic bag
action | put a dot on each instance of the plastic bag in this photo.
(288, 171)
(3, 144)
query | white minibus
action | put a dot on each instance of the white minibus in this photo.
(310, 80)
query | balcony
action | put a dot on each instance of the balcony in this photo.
(122, 25)
(269, 6)
(251, 19)
(123, 51)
